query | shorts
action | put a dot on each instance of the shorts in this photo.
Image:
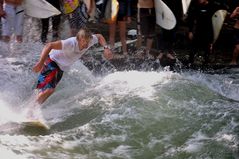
(122, 13)
(13, 22)
(79, 17)
(146, 22)
(50, 75)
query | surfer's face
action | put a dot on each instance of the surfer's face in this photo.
(83, 43)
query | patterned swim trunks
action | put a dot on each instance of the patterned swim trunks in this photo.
(50, 75)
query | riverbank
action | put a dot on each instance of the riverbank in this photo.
(220, 57)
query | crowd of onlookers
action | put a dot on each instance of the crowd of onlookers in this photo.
(198, 19)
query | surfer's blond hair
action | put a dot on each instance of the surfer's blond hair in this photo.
(85, 34)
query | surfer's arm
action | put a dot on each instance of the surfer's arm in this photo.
(57, 45)
(107, 52)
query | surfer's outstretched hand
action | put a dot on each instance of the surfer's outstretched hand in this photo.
(108, 54)
(37, 67)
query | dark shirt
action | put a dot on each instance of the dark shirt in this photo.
(200, 20)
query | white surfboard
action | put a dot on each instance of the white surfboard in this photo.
(40, 9)
(164, 16)
(217, 23)
(185, 4)
(111, 11)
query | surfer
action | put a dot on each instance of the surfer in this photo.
(235, 14)
(12, 13)
(146, 20)
(57, 57)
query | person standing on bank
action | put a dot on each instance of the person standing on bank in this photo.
(12, 19)
(78, 13)
(200, 28)
(123, 17)
(55, 23)
(57, 57)
(146, 23)
(235, 14)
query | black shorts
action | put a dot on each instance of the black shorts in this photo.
(122, 13)
(146, 22)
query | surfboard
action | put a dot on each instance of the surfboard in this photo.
(35, 124)
(185, 5)
(111, 11)
(217, 23)
(70, 5)
(164, 16)
(40, 9)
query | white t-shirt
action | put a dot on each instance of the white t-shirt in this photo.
(70, 52)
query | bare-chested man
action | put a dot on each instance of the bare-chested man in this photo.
(146, 23)
(12, 16)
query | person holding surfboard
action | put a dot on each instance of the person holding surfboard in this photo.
(58, 56)
(55, 23)
(146, 20)
(123, 16)
(12, 13)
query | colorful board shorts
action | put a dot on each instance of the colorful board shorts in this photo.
(50, 75)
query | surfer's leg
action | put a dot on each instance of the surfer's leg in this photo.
(42, 96)
(50, 76)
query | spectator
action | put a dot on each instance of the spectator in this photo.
(55, 23)
(12, 18)
(146, 20)
(200, 28)
(77, 13)
(123, 16)
(235, 14)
